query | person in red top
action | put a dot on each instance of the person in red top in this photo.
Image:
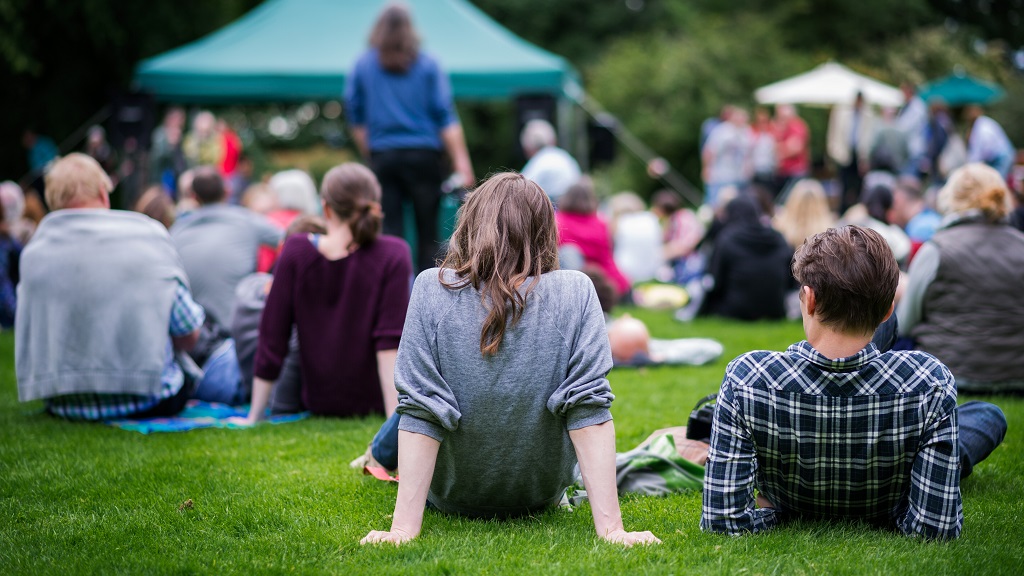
(231, 146)
(580, 226)
(793, 147)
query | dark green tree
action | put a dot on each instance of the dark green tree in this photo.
(61, 61)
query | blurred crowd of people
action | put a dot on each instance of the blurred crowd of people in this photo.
(731, 255)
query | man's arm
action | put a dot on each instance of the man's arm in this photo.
(707, 157)
(187, 342)
(935, 509)
(386, 374)
(455, 144)
(362, 141)
(923, 269)
(267, 233)
(187, 318)
(729, 503)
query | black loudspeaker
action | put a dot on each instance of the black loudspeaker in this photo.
(534, 107)
(601, 136)
(131, 121)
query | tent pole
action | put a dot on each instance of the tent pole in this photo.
(668, 175)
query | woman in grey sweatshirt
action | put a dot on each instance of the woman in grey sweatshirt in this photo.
(501, 375)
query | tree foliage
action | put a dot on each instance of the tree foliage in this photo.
(664, 86)
(579, 30)
(62, 61)
(660, 65)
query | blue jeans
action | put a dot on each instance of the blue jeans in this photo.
(982, 428)
(221, 381)
(385, 444)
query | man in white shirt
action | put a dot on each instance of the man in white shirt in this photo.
(552, 168)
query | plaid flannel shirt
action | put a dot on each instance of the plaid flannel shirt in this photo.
(871, 437)
(186, 317)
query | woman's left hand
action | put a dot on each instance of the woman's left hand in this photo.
(241, 421)
(395, 537)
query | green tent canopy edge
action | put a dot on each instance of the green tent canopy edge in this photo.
(296, 50)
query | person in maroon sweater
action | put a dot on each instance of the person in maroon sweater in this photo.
(346, 292)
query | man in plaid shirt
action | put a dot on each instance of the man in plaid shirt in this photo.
(835, 428)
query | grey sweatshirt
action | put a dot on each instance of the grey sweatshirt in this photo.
(503, 421)
(218, 245)
(94, 305)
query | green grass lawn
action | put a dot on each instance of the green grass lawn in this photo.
(84, 498)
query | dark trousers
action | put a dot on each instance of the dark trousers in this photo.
(385, 444)
(172, 405)
(415, 176)
(982, 427)
(852, 181)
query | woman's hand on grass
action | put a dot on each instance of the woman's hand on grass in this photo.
(242, 421)
(628, 539)
(395, 536)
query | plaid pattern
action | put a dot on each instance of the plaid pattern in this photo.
(870, 437)
(186, 317)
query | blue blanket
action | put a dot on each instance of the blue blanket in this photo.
(198, 414)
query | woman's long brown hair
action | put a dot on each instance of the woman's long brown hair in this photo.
(506, 234)
(395, 38)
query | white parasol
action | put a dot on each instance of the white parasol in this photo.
(827, 85)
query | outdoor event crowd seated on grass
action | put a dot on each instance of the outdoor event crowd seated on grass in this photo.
(811, 363)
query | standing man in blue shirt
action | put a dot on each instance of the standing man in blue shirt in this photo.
(401, 116)
(835, 428)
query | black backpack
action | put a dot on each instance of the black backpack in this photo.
(699, 425)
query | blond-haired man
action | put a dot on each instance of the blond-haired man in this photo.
(103, 304)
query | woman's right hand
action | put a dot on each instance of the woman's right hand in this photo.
(394, 536)
(628, 539)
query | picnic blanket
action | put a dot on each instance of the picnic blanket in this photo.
(198, 414)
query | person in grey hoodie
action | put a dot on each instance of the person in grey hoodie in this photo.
(501, 375)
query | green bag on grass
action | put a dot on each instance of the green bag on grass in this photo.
(655, 469)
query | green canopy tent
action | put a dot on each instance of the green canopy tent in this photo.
(296, 50)
(959, 88)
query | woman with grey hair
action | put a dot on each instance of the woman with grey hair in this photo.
(295, 195)
(963, 302)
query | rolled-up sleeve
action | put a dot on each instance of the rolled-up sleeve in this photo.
(584, 397)
(425, 400)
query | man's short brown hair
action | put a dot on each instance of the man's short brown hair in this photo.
(208, 186)
(853, 274)
(74, 178)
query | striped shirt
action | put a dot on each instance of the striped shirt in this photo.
(870, 437)
(186, 317)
